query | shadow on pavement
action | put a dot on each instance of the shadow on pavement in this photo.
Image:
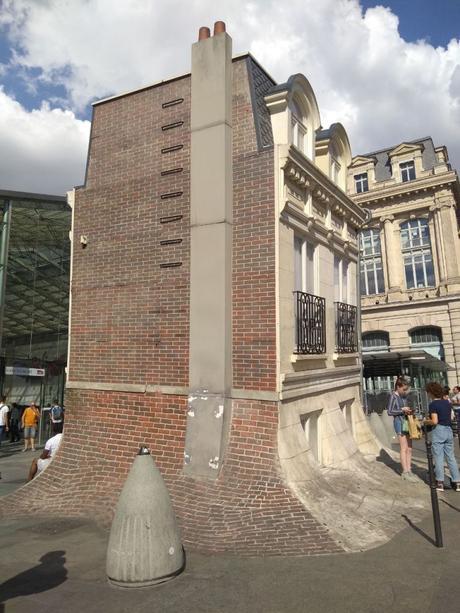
(419, 530)
(386, 459)
(47, 575)
(450, 505)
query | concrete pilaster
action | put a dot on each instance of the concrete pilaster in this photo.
(211, 203)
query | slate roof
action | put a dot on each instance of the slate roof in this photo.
(383, 164)
(260, 84)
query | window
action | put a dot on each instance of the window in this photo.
(298, 128)
(361, 183)
(335, 171)
(304, 266)
(376, 341)
(341, 285)
(429, 339)
(407, 171)
(371, 263)
(416, 249)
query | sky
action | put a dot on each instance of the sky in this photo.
(388, 71)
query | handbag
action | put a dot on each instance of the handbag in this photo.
(414, 428)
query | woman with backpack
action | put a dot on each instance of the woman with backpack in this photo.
(398, 409)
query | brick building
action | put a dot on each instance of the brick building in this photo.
(214, 313)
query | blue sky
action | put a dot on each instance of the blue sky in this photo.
(437, 21)
(385, 70)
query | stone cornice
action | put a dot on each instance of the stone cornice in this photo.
(303, 171)
(400, 190)
(291, 214)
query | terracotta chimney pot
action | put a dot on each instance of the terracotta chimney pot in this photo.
(219, 27)
(204, 33)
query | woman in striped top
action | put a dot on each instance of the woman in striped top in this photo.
(398, 409)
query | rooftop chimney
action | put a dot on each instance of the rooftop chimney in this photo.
(205, 33)
(219, 27)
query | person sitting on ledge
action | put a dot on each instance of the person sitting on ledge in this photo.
(51, 446)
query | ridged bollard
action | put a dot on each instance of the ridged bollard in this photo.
(144, 545)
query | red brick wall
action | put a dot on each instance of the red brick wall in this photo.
(254, 298)
(129, 316)
(247, 511)
(130, 325)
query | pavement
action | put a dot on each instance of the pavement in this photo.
(58, 565)
(14, 465)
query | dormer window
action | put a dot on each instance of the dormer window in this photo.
(298, 128)
(361, 183)
(407, 170)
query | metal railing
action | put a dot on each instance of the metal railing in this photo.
(346, 322)
(310, 312)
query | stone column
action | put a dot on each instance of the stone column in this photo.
(211, 203)
(394, 264)
(454, 316)
(451, 241)
(438, 239)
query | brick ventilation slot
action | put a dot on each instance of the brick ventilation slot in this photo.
(171, 218)
(171, 149)
(171, 195)
(171, 241)
(171, 265)
(173, 171)
(171, 126)
(166, 105)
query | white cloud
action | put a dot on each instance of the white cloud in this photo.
(43, 150)
(383, 88)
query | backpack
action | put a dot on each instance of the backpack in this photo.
(56, 413)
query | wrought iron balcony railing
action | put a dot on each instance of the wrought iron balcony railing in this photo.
(310, 314)
(346, 321)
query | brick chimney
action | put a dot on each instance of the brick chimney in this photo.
(210, 361)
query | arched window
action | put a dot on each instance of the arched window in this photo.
(299, 131)
(416, 249)
(376, 341)
(429, 339)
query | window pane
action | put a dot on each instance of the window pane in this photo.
(429, 270)
(380, 289)
(409, 272)
(298, 264)
(344, 296)
(310, 270)
(336, 278)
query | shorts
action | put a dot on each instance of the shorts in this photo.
(42, 464)
(30, 432)
(398, 422)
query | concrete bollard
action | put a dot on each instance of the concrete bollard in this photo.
(144, 546)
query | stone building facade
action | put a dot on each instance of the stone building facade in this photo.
(410, 251)
(214, 316)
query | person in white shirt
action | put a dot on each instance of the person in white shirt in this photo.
(4, 417)
(48, 453)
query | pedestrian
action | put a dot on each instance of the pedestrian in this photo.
(56, 413)
(15, 422)
(442, 438)
(4, 417)
(455, 400)
(446, 393)
(51, 447)
(398, 409)
(30, 424)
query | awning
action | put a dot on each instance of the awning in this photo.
(391, 363)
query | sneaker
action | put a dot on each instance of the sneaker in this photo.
(440, 486)
(456, 486)
(412, 478)
(406, 476)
